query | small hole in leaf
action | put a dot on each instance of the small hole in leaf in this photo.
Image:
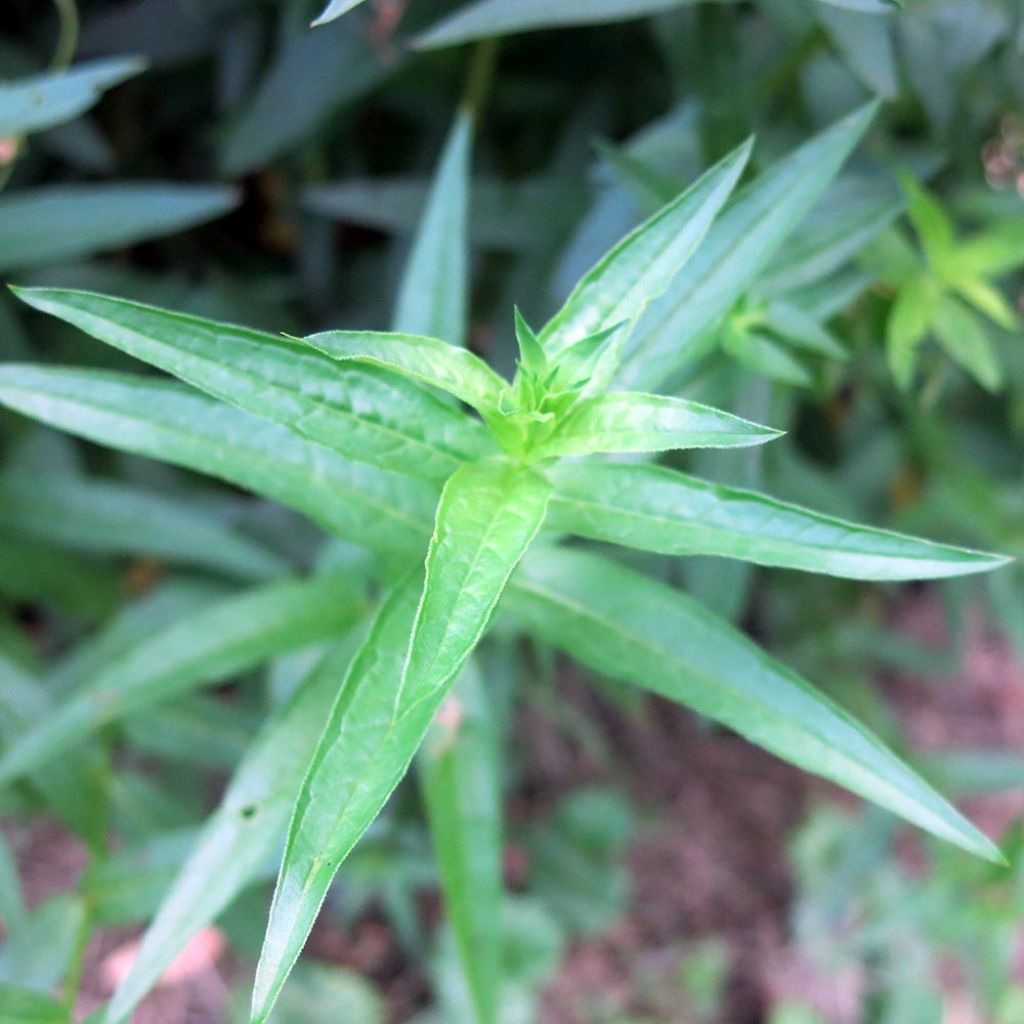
(248, 811)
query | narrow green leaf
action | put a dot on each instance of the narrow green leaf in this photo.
(428, 360)
(737, 247)
(488, 514)
(627, 421)
(847, 217)
(200, 731)
(504, 215)
(42, 101)
(66, 222)
(643, 632)
(230, 637)
(762, 355)
(965, 338)
(312, 77)
(362, 755)
(486, 18)
(119, 518)
(244, 834)
(459, 771)
(790, 322)
(989, 300)
(640, 267)
(360, 411)
(931, 222)
(865, 43)
(659, 509)
(432, 298)
(335, 9)
(74, 787)
(907, 326)
(23, 1006)
(164, 421)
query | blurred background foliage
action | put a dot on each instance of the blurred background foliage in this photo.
(223, 158)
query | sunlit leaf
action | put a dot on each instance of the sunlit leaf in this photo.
(643, 632)
(658, 509)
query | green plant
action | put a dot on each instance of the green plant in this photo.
(339, 426)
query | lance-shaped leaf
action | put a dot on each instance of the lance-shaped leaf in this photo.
(241, 838)
(66, 222)
(627, 421)
(488, 514)
(432, 298)
(123, 519)
(641, 266)
(643, 632)
(361, 756)
(360, 411)
(161, 420)
(42, 101)
(737, 247)
(487, 18)
(428, 360)
(659, 509)
(459, 771)
(226, 638)
(335, 9)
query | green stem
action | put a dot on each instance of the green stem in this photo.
(67, 38)
(481, 73)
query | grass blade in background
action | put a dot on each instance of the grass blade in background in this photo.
(232, 636)
(460, 772)
(243, 835)
(65, 222)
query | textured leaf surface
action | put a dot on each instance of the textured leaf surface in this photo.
(488, 514)
(428, 360)
(359, 411)
(643, 632)
(65, 222)
(165, 421)
(42, 101)
(231, 636)
(643, 264)
(658, 509)
(123, 519)
(625, 421)
(737, 247)
(243, 835)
